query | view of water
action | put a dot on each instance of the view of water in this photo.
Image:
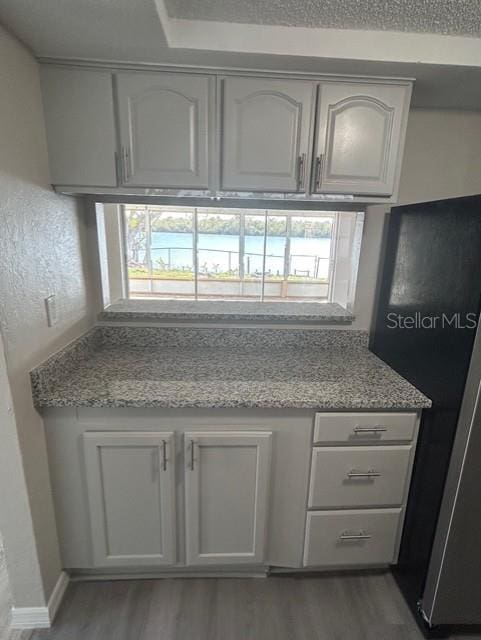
(220, 253)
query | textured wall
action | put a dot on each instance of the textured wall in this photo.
(44, 242)
(442, 158)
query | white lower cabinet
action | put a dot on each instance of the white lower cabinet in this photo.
(360, 472)
(130, 483)
(191, 490)
(226, 496)
(351, 538)
(131, 480)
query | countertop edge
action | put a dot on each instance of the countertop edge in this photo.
(130, 316)
(138, 310)
(152, 404)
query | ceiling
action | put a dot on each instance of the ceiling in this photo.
(105, 29)
(447, 17)
(316, 36)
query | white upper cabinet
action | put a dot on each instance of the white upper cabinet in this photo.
(266, 134)
(131, 495)
(164, 129)
(360, 137)
(226, 496)
(79, 119)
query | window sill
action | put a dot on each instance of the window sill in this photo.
(181, 311)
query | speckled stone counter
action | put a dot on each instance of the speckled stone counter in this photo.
(226, 311)
(221, 368)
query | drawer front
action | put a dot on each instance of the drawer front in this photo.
(351, 538)
(364, 428)
(358, 476)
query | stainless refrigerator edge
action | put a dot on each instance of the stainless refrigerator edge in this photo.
(431, 268)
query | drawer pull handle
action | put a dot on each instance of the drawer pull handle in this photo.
(358, 429)
(363, 474)
(345, 535)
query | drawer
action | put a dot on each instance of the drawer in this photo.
(358, 476)
(351, 538)
(364, 428)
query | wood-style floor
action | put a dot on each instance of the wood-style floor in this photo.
(328, 607)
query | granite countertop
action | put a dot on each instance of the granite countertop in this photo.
(131, 367)
(139, 310)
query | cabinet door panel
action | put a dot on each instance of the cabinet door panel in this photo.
(130, 481)
(360, 133)
(164, 129)
(227, 477)
(79, 119)
(265, 132)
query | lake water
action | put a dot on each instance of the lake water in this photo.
(218, 253)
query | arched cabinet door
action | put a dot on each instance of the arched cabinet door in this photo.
(164, 129)
(360, 136)
(265, 134)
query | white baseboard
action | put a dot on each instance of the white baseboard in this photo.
(40, 617)
(57, 595)
(159, 575)
(30, 618)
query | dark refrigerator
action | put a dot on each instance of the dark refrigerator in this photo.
(425, 327)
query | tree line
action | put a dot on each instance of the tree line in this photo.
(213, 224)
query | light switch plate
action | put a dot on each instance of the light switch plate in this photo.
(51, 309)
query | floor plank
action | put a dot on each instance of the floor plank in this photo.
(363, 606)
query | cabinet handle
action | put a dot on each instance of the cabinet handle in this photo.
(118, 172)
(192, 445)
(358, 429)
(126, 168)
(354, 536)
(301, 171)
(129, 164)
(164, 455)
(318, 178)
(123, 166)
(363, 474)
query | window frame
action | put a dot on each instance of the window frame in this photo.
(116, 261)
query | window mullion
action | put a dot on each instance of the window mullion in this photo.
(195, 255)
(242, 226)
(123, 241)
(332, 257)
(287, 252)
(264, 257)
(148, 247)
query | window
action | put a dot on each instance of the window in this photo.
(240, 254)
